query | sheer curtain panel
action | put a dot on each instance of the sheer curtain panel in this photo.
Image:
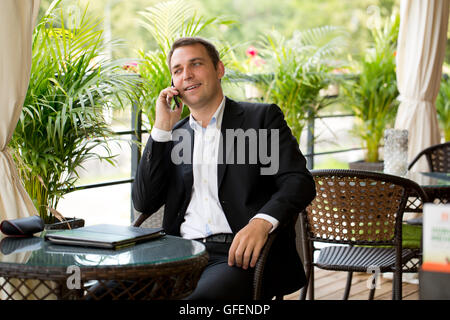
(17, 20)
(420, 54)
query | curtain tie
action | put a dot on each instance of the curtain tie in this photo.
(413, 100)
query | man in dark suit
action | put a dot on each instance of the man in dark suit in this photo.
(213, 173)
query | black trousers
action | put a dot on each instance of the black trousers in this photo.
(219, 281)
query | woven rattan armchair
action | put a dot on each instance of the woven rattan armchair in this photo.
(361, 211)
(438, 157)
(258, 278)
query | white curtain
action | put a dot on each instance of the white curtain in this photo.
(420, 54)
(17, 21)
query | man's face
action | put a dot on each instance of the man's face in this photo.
(195, 76)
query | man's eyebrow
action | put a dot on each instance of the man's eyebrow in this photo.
(190, 60)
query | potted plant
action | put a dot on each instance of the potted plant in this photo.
(372, 95)
(298, 70)
(443, 106)
(62, 119)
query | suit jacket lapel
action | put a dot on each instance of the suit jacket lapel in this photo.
(232, 119)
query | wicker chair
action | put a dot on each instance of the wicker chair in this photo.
(258, 279)
(362, 211)
(438, 157)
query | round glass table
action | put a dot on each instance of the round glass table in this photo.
(165, 268)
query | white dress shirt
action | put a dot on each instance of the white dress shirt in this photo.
(204, 215)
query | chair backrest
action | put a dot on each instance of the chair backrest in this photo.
(154, 220)
(438, 157)
(358, 207)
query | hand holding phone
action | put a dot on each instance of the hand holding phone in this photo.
(175, 98)
(165, 115)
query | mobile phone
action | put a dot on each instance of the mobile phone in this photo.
(175, 98)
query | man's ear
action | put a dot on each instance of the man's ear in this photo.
(220, 69)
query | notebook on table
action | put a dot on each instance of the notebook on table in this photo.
(104, 236)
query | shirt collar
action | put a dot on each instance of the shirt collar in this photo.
(216, 118)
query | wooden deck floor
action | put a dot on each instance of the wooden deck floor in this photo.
(329, 285)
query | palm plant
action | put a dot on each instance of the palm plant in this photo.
(297, 70)
(372, 96)
(62, 118)
(443, 107)
(166, 22)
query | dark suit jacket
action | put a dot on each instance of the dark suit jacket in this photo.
(243, 191)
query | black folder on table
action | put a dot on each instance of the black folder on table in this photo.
(104, 236)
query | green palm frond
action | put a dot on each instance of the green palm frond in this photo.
(165, 20)
(299, 69)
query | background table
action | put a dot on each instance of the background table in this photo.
(166, 268)
(435, 184)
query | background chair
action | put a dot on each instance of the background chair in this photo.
(362, 212)
(438, 157)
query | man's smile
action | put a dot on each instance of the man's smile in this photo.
(192, 87)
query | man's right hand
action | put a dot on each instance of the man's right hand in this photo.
(165, 117)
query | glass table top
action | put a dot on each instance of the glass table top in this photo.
(430, 179)
(35, 251)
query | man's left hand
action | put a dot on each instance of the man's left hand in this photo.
(248, 243)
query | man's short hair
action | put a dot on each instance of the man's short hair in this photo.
(188, 41)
